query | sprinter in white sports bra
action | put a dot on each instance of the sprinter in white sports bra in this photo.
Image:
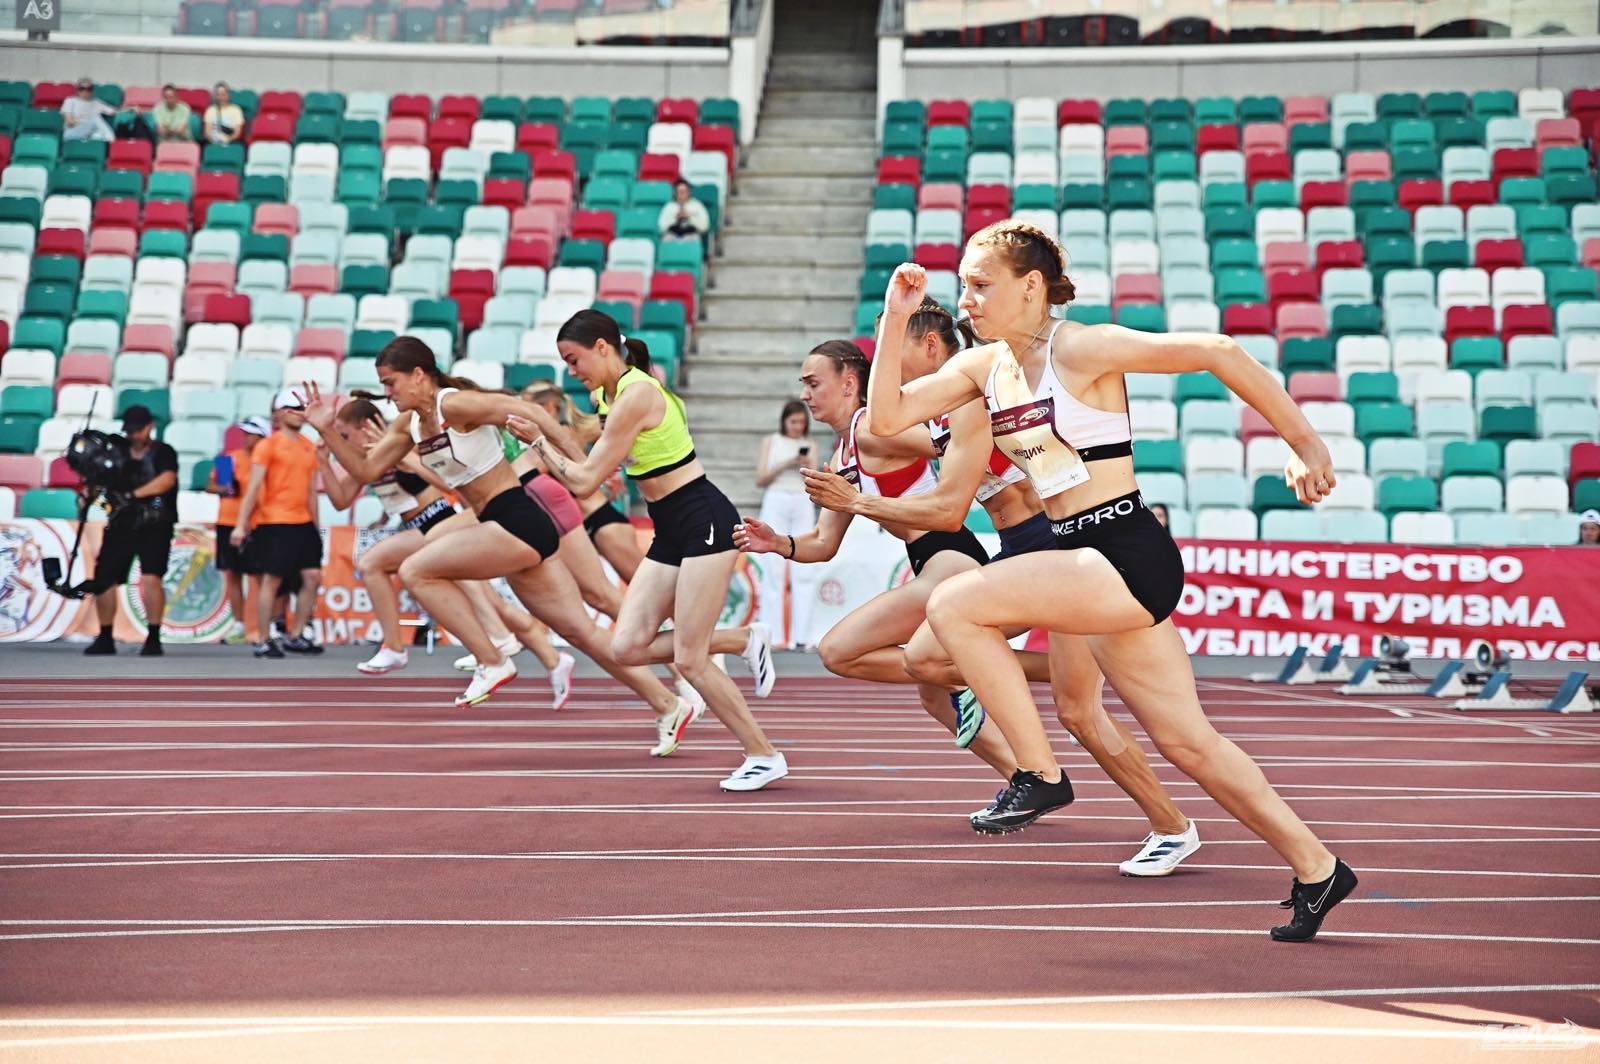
(1051, 391)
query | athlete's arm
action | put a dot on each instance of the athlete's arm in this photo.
(636, 410)
(892, 407)
(818, 545)
(364, 466)
(942, 510)
(410, 464)
(341, 491)
(1102, 349)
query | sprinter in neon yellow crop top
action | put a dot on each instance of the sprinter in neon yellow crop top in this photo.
(645, 432)
(658, 450)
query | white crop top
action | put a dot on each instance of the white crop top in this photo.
(1048, 432)
(998, 475)
(918, 478)
(457, 458)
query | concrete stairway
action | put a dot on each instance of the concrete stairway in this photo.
(790, 262)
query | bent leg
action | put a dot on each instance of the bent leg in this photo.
(1150, 670)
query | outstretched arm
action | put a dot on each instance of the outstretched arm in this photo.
(942, 510)
(635, 411)
(1103, 349)
(891, 406)
(818, 545)
(364, 466)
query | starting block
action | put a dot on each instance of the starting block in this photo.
(1299, 669)
(1571, 697)
(1453, 681)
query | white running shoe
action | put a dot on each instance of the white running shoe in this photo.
(757, 654)
(756, 773)
(510, 648)
(486, 680)
(1162, 853)
(385, 660)
(670, 728)
(561, 679)
(235, 635)
(697, 703)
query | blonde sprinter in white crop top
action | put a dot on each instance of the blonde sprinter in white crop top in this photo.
(1010, 274)
(432, 408)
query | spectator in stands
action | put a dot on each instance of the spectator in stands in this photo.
(1159, 510)
(684, 217)
(171, 116)
(279, 513)
(84, 116)
(144, 510)
(1589, 528)
(224, 119)
(786, 507)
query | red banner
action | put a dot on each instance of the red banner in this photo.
(1249, 598)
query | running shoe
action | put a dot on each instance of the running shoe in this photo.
(152, 647)
(385, 660)
(102, 645)
(1161, 854)
(670, 727)
(301, 645)
(561, 678)
(235, 635)
(279, 628)
(509, 647)
(988, 810)
(486, 680)
(696, 702)
(756, 773)
(268, 649)
(1311, 902)
(970, 716)
(1027, 798)
(757, 654)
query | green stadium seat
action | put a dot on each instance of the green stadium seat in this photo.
(1372, 388)
(1401, 493)
(1477, 353)
(1504, 423)
(1089, 314)
(49, 504)
(1157, 456)
(1379, 420)
(1471, 458)
(1313, 353)
(1271, 493)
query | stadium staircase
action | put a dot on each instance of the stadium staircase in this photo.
(787, 272)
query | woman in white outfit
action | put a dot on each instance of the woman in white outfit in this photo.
(787, 509)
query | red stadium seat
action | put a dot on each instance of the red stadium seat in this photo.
(529, 251)
(676, 286)
(949, 113)
(1290, 285)
(61, 475)
(321, 343)
(1268, 166)
(659, 166)
(507, 192)
(594, 225)
(282, 219)
(212, 188)
(410, 105)
(1339, 254)
(937, 256)
(1266, 136)
(1216, 138)
(1297, 320)
(1247, 319)
(1078, 112)
(166, 214)
(941, 195)
(131, 155)
(458, 106)
(1515, 162)
(997, 197)
(116, 213)
(1420, 192)
(1518, 320)
(1324, 194)
(1584, 463)
(310, 278)
(276, 126)
(1468, 321)
(1307, 387)
(1558, 133)
(113, 240)
(678, 109)
(156, 339)
(1367, 166)
(1466, 194)
(60, 242)
(555, 164)
(1301, 109)
(229, 308)
(900, 170)
(534, 136)
(1492, 254)
(717, 138)
(445, 134)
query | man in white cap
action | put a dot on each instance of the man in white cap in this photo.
(230, 473)
(279, 518)
(1589, 528)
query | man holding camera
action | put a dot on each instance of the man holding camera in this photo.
(144, 510)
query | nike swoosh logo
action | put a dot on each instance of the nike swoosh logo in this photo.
(1317, 908)
(711, 535)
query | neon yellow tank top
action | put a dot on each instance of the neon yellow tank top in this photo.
(657, 450)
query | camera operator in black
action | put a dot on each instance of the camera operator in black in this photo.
(144, 509)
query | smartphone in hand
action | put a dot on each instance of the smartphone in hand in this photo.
(222, 466)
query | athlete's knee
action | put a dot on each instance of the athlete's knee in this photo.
(414, 570)
(630, 646)
(835, 655)
(1192, 749)
(926, 661)
(1078, 710)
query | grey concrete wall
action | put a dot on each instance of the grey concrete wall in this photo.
(1242, 70)
(333, 65)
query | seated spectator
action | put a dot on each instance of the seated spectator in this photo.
(84, 116)
(1589, 528)
(171, 117)
(684, 217)
(224, 119)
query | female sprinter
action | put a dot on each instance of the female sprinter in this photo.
(866, 644)
(644, 426)
(451, 425)
(972, 467)
(410, 493)
(1057, 406)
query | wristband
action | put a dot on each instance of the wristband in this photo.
(792, 548)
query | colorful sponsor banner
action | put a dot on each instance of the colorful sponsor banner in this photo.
(1240, 598)
(1247, 598)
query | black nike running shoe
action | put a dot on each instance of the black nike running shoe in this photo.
(1027, 798)
(1311, 902)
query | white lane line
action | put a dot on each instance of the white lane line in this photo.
(384, 922)
(767, 858)
(1486, 1034)
(858, 926)
(1125, 999)
(279, 927)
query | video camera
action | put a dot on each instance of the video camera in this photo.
(100, 460)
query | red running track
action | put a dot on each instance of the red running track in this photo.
(332, 870)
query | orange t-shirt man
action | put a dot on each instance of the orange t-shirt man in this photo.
(290, 461)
